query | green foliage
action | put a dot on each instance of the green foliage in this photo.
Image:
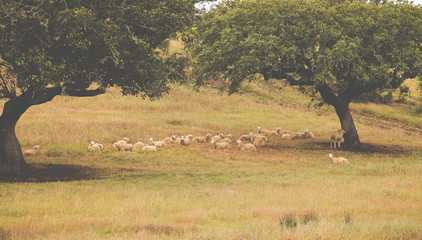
(351, 47)
(72, 44)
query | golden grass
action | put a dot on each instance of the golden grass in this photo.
(197, 193)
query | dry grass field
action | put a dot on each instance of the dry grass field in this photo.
(286, 190)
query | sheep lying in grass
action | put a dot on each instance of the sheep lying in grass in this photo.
(217, 138)
(221, 145)
(95, 147)
(245, 147)
(337, 138)
(123, 146)
(338, 160)
(169, 140)
(186, 140)
(287, 136)
(157, 143)
(246, 137)
(31, 152)
(262, 130)
(138, 146)
(149, 148)
(126, 139)
(271, 134)
(278, 130)
(259, 142)
(227, 140)
(202, 139)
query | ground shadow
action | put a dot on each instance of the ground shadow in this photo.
(51, 173)
(368, 148)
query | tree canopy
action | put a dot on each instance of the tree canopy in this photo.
(341, 49)
(79, 48)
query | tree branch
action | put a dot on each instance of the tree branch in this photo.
(84, 92)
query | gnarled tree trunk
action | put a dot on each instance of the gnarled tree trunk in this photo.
(11, 157)
(351, 137)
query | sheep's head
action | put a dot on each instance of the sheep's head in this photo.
(239, 141)
(251, 134)
(91, 142)
(330, 155)
(213, 141)
(151, 139)
(126, 139)
(116, 144)
(36, 147)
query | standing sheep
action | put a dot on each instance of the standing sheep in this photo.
(123, 146)
(31, 152)
(337, 138)
(245, 147)
(138, 146)
(169, 140)
(246, 137)
(259, 142)
(338, 160)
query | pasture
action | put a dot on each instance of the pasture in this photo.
(286, 190)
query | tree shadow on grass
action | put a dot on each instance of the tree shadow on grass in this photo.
(368, 148)
(51, 173)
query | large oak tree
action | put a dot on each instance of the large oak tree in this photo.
(79, 48)
(339, 48)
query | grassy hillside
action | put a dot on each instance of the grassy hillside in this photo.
(284, 190)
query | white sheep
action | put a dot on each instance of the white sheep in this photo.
(157, 143)
(338, 160)
(221, 145)
(123, 146)
(217, 138)
(337, 138)
(287, 136)
(126, 139)
(169, 140)
(259, 142)
(227, 140)
(246, 137)
(138, 146)
(149, 148)
(202, 139)
(95, 147)
(31, 152)
(248, 147)
(186, 140)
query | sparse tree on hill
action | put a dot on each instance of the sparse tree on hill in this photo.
(79, 48)
(340, 49)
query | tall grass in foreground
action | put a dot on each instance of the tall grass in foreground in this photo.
(287, 190)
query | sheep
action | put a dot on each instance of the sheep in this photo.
(246, 137)
(157, 143)
(248, 147)
(31, 152)
(278, 130)
(123, 146)
(95, 147)
(258, 136)
(221, 145)
(137, 146)
(218, 137)
(287, 136)
(126, 139)
(149, 148)
(227, 140)
(259, 142)
(337, 160)
(169, 140)
(337, 138)
(271, 134)
(304, 135)
(186, 140)
(262, 131)
(202, 139)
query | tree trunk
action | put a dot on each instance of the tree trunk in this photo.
(351, 137)
(11, 157)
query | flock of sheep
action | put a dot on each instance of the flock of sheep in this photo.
(245, 143)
